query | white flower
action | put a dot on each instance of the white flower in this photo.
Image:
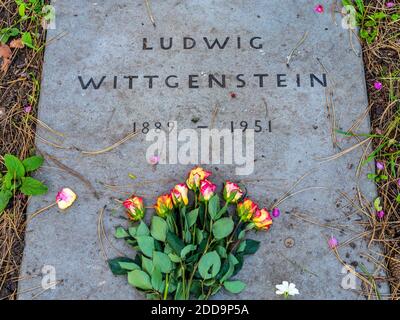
(286, 289)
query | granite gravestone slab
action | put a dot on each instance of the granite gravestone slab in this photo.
(206, 64)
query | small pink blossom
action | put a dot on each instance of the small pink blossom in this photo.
(28, 108)
(333, 242)
(398, 182)
(380, 214)
(380, 165)
(390, 4)
(378, 85)
(154, 160)
(276, 212)
(319, 8)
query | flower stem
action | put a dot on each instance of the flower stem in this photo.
(195, 199)
(184, 280)
(233, 234)
(205, 215)
(166, 286)
(196, 266)
(181, 222)
(171, 220)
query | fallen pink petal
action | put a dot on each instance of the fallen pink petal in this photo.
(319, 8)
(65, 198)
(390, 4)
(276, 212)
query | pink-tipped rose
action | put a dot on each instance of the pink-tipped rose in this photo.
(207, 190)
(164, 205)
(180, 194)
(195, 177)
(262, 219)
(134, 208)
(246, 209)
(232, 192)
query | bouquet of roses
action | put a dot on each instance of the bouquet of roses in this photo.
(191, 249)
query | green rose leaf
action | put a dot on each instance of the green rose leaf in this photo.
(209, 265)
(162, 261)
(140, 280)
(5, 197)
(146, 245)
(33, 187)
(179, 294)
(213, 207)
(174, 258)
(115, 265)
(152, 296)
(199, 235)
(234, 286)
(192, 217)
(239, 265)
(158, 228)
(251, 246)
(130, 266)
(120, 233)
(232, 261)
(156, 280)
(132, 231)
(223, 228)
(14, 166)
(221, 212)
(142, 230)
(147, 265)
(32, 163)
(241, 247)
(242, 234)
(221, 251)
(187, 249)
(176, 244)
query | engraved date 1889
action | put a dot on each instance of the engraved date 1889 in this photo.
(258, 126)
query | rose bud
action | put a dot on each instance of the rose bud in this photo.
(246, 209)
(195, 177)
(207, 190)
(262, 219)
(164, 205)
(180, 194)
(134, 208)
(232, 192)
(65, 198)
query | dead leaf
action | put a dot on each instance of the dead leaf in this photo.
(5, 51)
(4, 66)
(5, 54)
(17, 43)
